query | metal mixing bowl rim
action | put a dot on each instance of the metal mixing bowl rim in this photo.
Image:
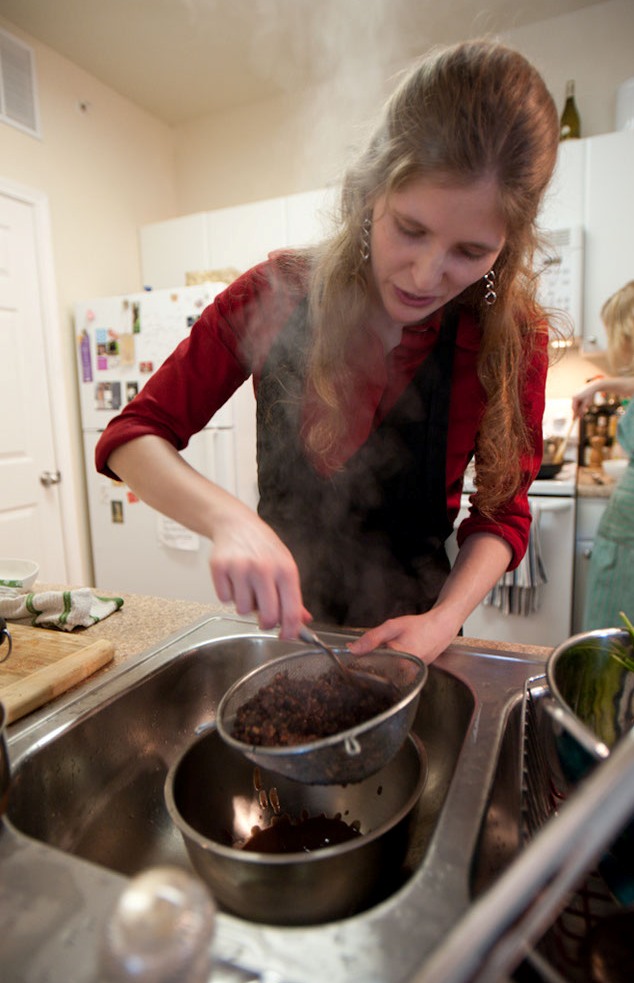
(341, 737)
(284, 859)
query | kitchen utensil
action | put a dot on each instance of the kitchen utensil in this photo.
(554, 450)
(349, 756)
(5, 636)
(593, 702)
(215, 797)
(17, 575)
(5, 770)
(558, 456)
(549, 470)
(46, 663)
(354, 677)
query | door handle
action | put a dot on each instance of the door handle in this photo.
(48, 478)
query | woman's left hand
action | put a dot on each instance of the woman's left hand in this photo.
(481, 560)
(422, 635)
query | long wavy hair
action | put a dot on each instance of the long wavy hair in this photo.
(465, 112)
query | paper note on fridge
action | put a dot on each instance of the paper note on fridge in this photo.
(176, 537)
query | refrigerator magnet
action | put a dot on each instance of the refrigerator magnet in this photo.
(85, 357)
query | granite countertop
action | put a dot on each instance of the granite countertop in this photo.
(589, 487)
(146, 621)
(143, 621)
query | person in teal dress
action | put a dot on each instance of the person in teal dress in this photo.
(610, 587)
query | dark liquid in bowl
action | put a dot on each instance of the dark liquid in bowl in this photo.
(313, 833)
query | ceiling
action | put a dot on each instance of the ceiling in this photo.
(182, 59)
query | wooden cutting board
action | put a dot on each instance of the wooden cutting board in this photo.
(45, 663)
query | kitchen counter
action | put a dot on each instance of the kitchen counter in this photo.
(144, 621)
(588, 487)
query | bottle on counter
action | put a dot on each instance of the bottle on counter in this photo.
(600, 420)
(587, 430)
(570, 122)
(613, 411)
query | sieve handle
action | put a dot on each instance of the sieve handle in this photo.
(306, 635)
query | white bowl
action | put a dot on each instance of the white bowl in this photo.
(615, 467)
(18, 574)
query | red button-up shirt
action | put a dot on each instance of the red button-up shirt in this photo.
(231, 340)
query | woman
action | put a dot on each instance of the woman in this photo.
(610, 586)
(382, 361)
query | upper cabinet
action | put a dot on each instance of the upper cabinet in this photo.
(563, 202)
(588, 209)
(172, 249)
(592, 195)
(233, 238)
(243, 235)
(609, 221)
(309, 216)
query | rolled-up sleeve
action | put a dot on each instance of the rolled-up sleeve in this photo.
(512, 522)
(207, 367)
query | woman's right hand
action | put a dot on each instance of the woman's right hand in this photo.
(251, 567)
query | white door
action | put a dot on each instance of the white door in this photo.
(30, 514)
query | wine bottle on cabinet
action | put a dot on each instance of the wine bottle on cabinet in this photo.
(570, 123)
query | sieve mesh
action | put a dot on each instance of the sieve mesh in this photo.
(348, 756)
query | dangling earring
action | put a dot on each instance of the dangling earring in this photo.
(490, 295)
(365, 238)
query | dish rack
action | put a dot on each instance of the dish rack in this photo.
(559, 955)
(530, 924)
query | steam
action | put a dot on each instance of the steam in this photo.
(342, 57)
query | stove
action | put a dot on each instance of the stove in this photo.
(564, 484)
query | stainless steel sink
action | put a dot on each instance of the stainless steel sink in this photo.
(87, 807)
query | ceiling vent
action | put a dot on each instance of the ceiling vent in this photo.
(18, 101)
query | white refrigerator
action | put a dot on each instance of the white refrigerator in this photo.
(120, 342)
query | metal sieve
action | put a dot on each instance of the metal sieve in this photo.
(348, 756)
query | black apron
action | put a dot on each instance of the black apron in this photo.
(368, 540)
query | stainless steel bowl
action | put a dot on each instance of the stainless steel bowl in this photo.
(593, 689)
(593, 702)
(212, 796)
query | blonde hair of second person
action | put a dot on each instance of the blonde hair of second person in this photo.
(617, 315)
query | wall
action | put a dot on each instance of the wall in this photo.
(300, 142)
(105, 172)
(570, 373)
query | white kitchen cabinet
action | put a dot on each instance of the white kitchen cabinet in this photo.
(563, 204)
(589, 512)
(592, 190)
(309, 216)
(609, 220)
(236, 237)
(561, 222)
(171, 249)
(242, 235)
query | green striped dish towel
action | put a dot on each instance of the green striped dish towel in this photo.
(68, 609)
